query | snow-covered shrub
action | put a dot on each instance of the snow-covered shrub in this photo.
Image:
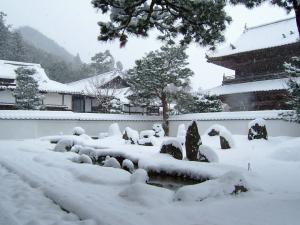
(181, 133)
(82, 159)
(128, 165)
(64, 144)
(192, 142)
(226, 139)
(139, 176)
(111, 162)
(158, 129)
(114, 130)
(147, 133)
(78, 131)
(228, 184)
(214, 130)
(207, 154)
(172, 147)
(257, 129)
(131, 136)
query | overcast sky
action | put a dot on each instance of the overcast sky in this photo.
(73, 24)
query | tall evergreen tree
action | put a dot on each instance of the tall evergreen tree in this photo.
(103, 62)
(199, 21)
(27, 92)
(159, 74)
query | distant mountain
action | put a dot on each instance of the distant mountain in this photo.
(40, 41)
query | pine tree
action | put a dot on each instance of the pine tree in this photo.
(199, 21)
(26, 92)
(293, 69)
(197, 103)
(103, 62)
(159, 74)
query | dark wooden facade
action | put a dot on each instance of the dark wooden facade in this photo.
(257, 65)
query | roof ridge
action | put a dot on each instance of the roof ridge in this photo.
(87, 78)
(269, 23)
(19, 62)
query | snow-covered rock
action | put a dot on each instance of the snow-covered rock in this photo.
(172, 147)
(147, 133)
(82, 159)
(229, 183)
(214, 130)
(114, 130)
(151, 141)
(78, 131)
(226, 139)
(208, 153)
(64, 144)
(102, 135)
(257, 129)
(111, 162)
(131, 136)
(158, 129)
(128, 165)
(139, 176)
(192, 142)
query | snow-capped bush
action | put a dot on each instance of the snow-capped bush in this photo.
(192, 142)
(147, 133)
(230, 183)
(111, 162)
(172, 147)
(158, 129)
(131, 136)
(207, 154)
(114, 130)
(257, 129)
(181, 133)
(82, 159)
(214, 130)
(64, 144)
(78, 131)
(226, 139)
(128, 165)
(139, 176)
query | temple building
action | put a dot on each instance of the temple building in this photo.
(257, 57)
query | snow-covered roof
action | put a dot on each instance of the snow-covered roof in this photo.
(87, 84)
(265, 85)
(67, 115)
(7, 71)
(277, 33)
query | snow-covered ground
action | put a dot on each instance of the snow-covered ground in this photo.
(40, 186)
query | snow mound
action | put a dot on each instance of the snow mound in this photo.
(289, 151)
(114, 130)
(215, 128)
(111, 162)
(230, 183)
(209, 153)
(78, 131)
(64, 144)
(128, 165)
(151, 141)
(147, 195)
(83, 159)
(158, 129)
(139, 176)
(102, 135)
(147, 133)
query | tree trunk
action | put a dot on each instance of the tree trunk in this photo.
(165, 114)
(297, 12)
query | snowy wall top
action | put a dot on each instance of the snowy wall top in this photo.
(277, 33)
(7, 71)
(265, 85)
(67, 115)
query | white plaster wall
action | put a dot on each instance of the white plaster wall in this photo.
(52, 99)
(88, 105)
(7, 97)
(68, 101)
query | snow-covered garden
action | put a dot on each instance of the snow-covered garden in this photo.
(134, 177)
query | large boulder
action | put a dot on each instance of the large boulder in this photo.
(78, 131)
(114, 130)
(192, 142)
(257, 129)
(214, 130)
(207, 154)
(158, 129)
(128, 165)
(147, 138)
(64, 144)
(173, 148)
(226, 139)
(131, 136)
